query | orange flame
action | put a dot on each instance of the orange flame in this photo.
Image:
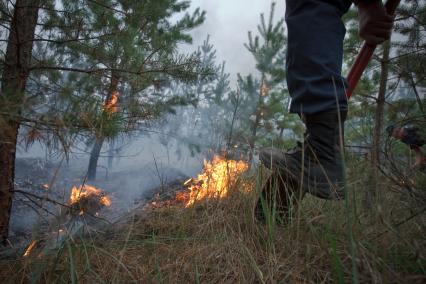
(105, 201)
(215, 180)
(30, 248)
(111, 103)
(264, 90)
(86, 191)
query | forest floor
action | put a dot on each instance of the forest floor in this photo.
(219, 241)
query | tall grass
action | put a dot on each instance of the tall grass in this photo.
(219, 241)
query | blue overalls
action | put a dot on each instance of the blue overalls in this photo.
(315, 54)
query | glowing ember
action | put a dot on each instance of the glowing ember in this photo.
(187, 182)
(87, 196)
(215, 180)
(264, 90)
(111, 103)
(30, 248)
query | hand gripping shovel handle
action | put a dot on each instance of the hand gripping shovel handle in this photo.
(365, 54)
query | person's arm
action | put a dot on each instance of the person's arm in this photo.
(375, 25)
(420, 159)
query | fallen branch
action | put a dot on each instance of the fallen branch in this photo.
(38, 205)
(58, 203)
(400, 223)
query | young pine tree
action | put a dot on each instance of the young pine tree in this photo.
(133, 46)
(263, 100)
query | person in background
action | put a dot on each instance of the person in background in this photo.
(411, 136)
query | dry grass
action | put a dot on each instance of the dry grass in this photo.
(220, 242)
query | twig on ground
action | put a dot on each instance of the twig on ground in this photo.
(400, 223)
(58, 203)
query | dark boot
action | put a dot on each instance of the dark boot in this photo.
(315, 166)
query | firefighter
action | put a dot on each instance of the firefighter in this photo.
(411, 136)
(317, 90)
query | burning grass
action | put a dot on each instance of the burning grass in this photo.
(30, 248)
(88, 199)
(218, 241)
(217, 177)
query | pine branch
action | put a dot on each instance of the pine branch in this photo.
(165, 70)
(108, 7)
(73, 39)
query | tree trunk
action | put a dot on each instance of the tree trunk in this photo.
(234, 116)
(281, 133)
(258, 117)
(96, 150)
(378, 127)
(111, 153)
(13, 82)
(94, 157)
(416, 93)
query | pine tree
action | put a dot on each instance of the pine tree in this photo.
(410, 61)
(79, 55)
(14, 78)
(365, 105)
(377, 100)
(200, 126)
(133, 44)
(263, 100)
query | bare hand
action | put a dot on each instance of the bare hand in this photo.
(375, 25)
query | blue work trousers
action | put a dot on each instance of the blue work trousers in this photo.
(315, 54)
